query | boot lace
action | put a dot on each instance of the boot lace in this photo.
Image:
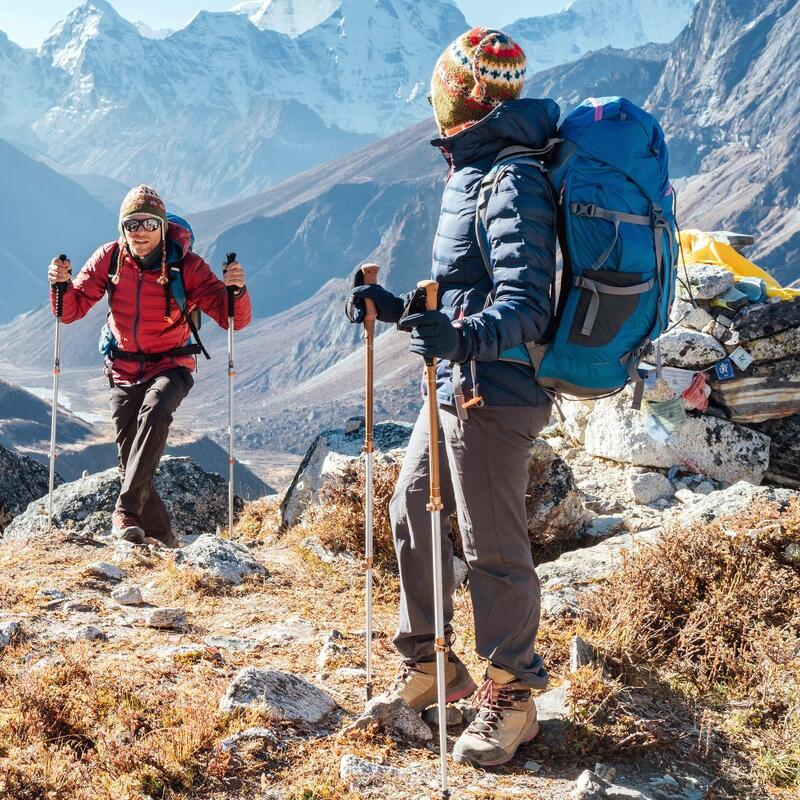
(401, 678)
(491, 700)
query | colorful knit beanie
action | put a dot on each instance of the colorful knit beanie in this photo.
(144, 199)
(477, 72)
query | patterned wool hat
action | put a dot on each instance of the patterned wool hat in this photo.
(477, 72)
(143, 199)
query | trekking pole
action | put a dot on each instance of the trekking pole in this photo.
(435, 507)
(59, 287)
(231, 257)
(370, 274)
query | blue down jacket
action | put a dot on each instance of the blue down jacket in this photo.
(521, 225)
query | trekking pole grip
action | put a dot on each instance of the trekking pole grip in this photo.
(60, 287)
(231, 257)
(370, 275)
(431, 294)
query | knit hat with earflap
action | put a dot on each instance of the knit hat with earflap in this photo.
(144, 199)
(477, 72)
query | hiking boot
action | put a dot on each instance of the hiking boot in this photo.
(506, 719)
(127, 527)
(416, 683)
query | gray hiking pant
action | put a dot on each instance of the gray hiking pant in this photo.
(142, 415)
(484, 479)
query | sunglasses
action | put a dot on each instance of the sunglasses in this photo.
(150, 224)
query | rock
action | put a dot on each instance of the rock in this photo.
(791, 553)
(553, 501)
(360, 773)
(581, 654)
(605, 771)
(127, 595)
(78, 607)
(221, 560)
(468, 711)
(648, 487)
(713, 328)
(552, 712)
(728, 502)
(197, 502)
(604, 526)
(705, 487)
(9, 631)
(22, 481)
(105, 571)
(87, 633)
(394, 717)
(717, 448)
(772, 348)
(764, 320)
(263, 735)
(328, 455)
(686, 496)
(194, 651)
(231, 643)
(351, 672)
(706, 281)
(453, 716)
(576, 416)
(331, 648)
(292, 630)
(688, 316)
(784, 450)
(281, 694)
(572, 573)
(591, 786)
(50, 595)
(738, 241)
(688, 349)
(165, 618)
(532, 766)
(763, 392)
(460, 571)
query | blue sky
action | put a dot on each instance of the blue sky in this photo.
(27, 23)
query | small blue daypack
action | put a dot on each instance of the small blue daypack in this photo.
(618, 239)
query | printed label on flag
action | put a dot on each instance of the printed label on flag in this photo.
(724, 369)
(741, 358)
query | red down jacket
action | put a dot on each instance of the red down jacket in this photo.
(137, 308)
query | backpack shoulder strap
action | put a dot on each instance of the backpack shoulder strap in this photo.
(112, 271)
(178, 289)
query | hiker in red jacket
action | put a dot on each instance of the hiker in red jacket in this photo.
(149, 364)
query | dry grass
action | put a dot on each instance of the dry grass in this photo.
(259, 521)
(714, 611)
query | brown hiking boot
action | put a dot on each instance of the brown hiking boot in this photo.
(416, 683)
(127, 527)
(166, 539)
(506, 719)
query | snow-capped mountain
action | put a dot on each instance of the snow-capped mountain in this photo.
(239, 100)
(152, 33)
(586, 25)
(291, 17)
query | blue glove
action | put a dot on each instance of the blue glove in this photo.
(434, 336)
(389, 307)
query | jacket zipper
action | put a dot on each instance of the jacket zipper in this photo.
(136, 318)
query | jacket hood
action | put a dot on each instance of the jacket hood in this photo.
(527, 122)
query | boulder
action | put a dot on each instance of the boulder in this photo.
(104, 571)
(576, 416)
(166, 618)
(778, 346)
(394, 717)
(9, 631)
(127, 595)
(553, 501)
(197, 502)
(784, 450)
(281, 694)
(764, 391)
(647, 487)
(688, 316)
(762, 320)
(567, 577)
(738, 241)
(220, 560)
(329, 454)
(264, 736)
(688, 349)
(719, 449)
(22, 480)
(728, 502)
(706, 281)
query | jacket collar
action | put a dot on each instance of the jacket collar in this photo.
(528, 122)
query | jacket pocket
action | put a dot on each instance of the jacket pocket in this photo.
(606, 301)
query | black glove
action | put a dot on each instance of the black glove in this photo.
(434, 336)
(389, 307)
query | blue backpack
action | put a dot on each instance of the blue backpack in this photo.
(617, 232)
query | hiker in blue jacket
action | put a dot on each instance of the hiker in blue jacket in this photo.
(491, 408)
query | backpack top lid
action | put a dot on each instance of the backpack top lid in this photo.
(631, 141)
(180, 232)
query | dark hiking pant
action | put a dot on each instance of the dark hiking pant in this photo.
(142, 415)
(484, 479)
